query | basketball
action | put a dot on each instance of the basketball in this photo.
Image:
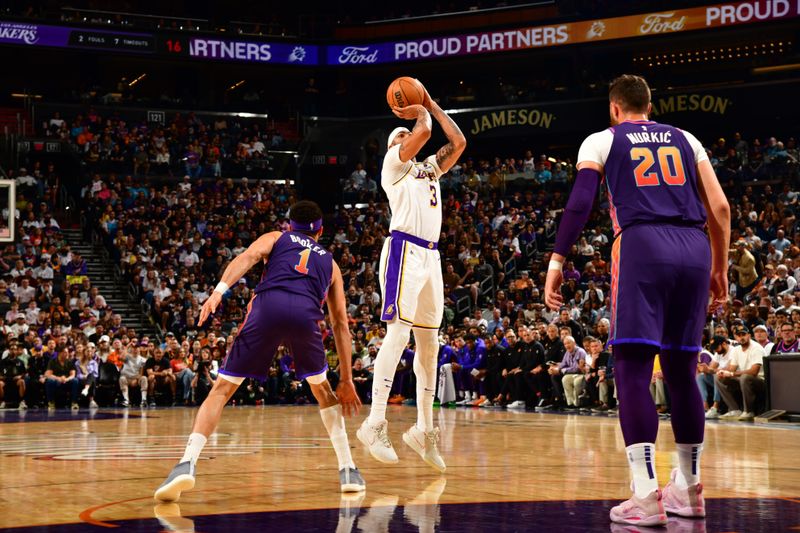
(405, 91)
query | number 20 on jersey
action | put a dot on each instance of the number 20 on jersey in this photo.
(670, 166)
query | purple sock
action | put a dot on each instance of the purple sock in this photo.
(688, 418)
(633, 371)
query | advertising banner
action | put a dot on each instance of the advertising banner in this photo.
(661, 23)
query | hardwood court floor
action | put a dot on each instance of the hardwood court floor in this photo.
(507, 471)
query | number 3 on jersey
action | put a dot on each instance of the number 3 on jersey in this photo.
(302, 266)
(670, 166)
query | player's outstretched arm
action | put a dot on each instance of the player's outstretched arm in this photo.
(256, 252)
(412, 144)
(719, 231)
(448, 155)
(576, 213)
(337, 308)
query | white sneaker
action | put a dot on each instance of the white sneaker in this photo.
(747, 415)
(377, 441)
(712, 413)
(645, 512)
(463, 401)
(730, 415)
(22, 405)
(688, 502)
(425, 444)
(519, 404)
(179, 480)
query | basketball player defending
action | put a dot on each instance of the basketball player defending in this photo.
(662, 192)
(411, 277)
(286, 309)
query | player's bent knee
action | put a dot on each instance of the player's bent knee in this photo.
(236, 380)
(318, 379)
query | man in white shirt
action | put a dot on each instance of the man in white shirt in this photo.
(358, 177)
(761, 335)
(189, 258)
(132, 374)
(785, 282)
(24, 179)
(742, 377)
(24, 292)
(43, 272)
(788, 304)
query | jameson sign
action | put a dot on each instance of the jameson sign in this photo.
(530, 117)
(703, 103)
(693, 108)
(673, 21)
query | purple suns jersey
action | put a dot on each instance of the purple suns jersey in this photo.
(650, 173)
(298, 265)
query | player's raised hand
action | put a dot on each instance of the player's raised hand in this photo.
(427, 101)
(348, 398)
(410, 112)
(552, 289)
(209, 307)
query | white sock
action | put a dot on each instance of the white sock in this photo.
(125, 394)
(642, 460)
(688, 465)
(334, 422)
(394, 343)
(193, 447)
(144, 395)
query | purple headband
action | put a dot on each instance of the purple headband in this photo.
(305, 226)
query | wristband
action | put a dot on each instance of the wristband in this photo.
(555, 265)
(221, 287)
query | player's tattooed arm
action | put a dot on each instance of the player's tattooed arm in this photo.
(420, 134)
(448, 155)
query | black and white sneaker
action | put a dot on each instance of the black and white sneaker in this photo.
(351, 480)
(180, 479)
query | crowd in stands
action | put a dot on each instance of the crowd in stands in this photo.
(51, 316)
(500, 345)
(186, 145)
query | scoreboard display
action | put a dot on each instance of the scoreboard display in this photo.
(117, 41)
(163, 44)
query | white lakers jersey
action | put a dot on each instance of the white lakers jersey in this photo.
(414, 195)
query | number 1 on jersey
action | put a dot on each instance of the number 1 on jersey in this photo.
(302, 266)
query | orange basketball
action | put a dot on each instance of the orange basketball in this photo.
(405, 91)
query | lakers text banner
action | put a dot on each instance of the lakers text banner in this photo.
(666, 22)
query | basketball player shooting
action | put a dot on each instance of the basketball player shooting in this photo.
(411, 276)
(286, 309)
(662, 192)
